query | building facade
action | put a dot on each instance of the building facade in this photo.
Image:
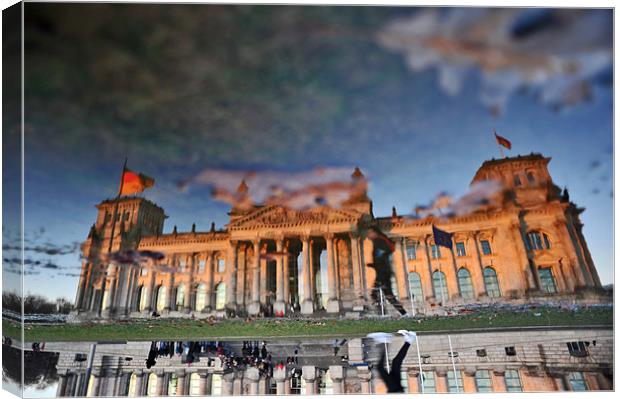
(272, 260)
(512, 360)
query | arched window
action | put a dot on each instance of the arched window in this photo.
(142, 305)
(440, 287)
(180, 302)
(173, 381)
(465, 286)
(220, 296)
(151, 387)
(132, 386)
(537, 241)
(216, 385)
(530, 177)
(194, 384)
(547, 280)
(490, 283)
(201, 297)
(415, 284)
(162, 298)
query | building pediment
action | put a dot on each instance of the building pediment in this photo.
(278, 216)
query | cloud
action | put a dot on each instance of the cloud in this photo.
(557, 54)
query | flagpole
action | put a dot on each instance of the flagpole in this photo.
(501, 151)
(456, 379)
(417, 345)
(116, 201)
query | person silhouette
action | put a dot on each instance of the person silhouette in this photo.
(392, 378)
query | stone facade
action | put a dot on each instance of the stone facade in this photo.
(528, 360)
(527, 247)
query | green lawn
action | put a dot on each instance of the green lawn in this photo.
(176, 329)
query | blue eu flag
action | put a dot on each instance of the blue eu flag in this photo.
(442, 238)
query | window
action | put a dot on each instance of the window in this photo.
(439, 286)
(465, 286)
(162, 297)
(435, 252)
(513, 381)
(194, 384)
(428, 381)
(577, 382)
(455, 384)
(483, 381)
(404, 381)
(220, 296)
(394, 284)
(201, 297)
(201, 266)
(481, 352)
(578, 348)
(221, 265)
(411, 249)
(216, 385)
(490, 283)
(172, 385)
(325, 383)
(547, 280)
(132, 386)
(510, 351)
(537, 241)
(182, 264)
(460, 249)
(151, 385)
(530, 178)
(180, 300)
(144, 271)
(296, 383)
(486, 247)
(517, 180)
(415, 285)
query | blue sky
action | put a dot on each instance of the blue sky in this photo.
(280, 89)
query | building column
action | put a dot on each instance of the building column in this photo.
(308, 373)
(79, 296)
(150, 288)
(428, 287)
(280, 375)
(307, 303)
(231, 277)
(180, 373)
(237, 383)
(498, 380)
(337, 375)
(171, 297)
(469, 380)
(286, 275)
(569, 249)
(356, 266)
(139, 382)
(441, 379)
(209, 273)
(254, 307)
(262, 289)
(262, 386)
(333, 304)
(400, 269)
(227, 384)
(108, 305)
(202, 385)
(364, 375)
(62, 384)
(279, 305)
(124, 279)
(159, 384)
(187, 300)
(251, 374)
(413, 381)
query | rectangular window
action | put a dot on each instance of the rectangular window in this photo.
(513, 381)
(182, 265)
(460, 249)
(510, 351)
(455, 384)
(547, 280)
(144, 271)
(578, 348)
(428, 380)
(201, 266)
(404, 381)
(411, 249)
(435, 252)
(483, 381)
(221, 265)
(577, 382)
(530, 178)
(517, 180)
(486, 247)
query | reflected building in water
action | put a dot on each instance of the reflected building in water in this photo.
(528, 246)
(528, 360)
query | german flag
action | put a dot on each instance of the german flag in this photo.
(503, 141)
(133, 182)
